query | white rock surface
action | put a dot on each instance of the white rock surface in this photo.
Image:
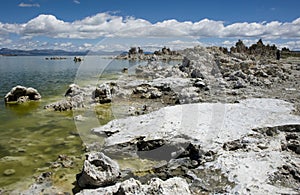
(98, 170)
(172, 186)
(210, 124)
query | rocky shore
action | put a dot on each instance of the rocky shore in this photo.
(219, 122)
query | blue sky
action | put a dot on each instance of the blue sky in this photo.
(117, 24)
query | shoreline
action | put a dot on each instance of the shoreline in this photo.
(205, 76)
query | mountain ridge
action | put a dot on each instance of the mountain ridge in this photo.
(52, 52)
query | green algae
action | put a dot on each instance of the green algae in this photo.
(30, 138)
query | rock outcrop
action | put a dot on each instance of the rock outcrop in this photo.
(258, 50)
(22, 94)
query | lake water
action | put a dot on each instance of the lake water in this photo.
(30, 136)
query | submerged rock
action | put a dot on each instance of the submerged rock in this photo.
(70, 103)
(22, 94)
(74, 98)
(9, 172)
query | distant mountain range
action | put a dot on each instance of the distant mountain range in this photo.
(52, 52)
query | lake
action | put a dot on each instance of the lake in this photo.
(30, 136)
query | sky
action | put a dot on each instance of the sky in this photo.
(78, 25)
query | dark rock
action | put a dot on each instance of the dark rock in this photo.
(234, 145)
(200, 84)
(294, 145)
(185, 64)
(290, 136)
(194, 152)
(125, 70)
(77, 59)
(196, 73)
(269, 131)
(102, 94)
(73, 90)
(149, 145)
(45, 176)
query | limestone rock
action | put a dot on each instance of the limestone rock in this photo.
(98, 170)
(22, 94)
(70, 103)
(74, 99)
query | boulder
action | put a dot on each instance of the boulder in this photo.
(102, 94)
(98, 170)
(22, 94)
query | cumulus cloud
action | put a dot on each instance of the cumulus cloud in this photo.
(291, 44)
(109, 25)
(4, 41)
(45, 25)
(29, 5)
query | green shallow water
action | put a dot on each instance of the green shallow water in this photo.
(32, 137)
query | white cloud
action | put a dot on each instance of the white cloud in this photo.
(68, 44)
(109, 25)
(29, 5)
(45, 25)
(4, 41)
(76, 1)
(294, 45)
